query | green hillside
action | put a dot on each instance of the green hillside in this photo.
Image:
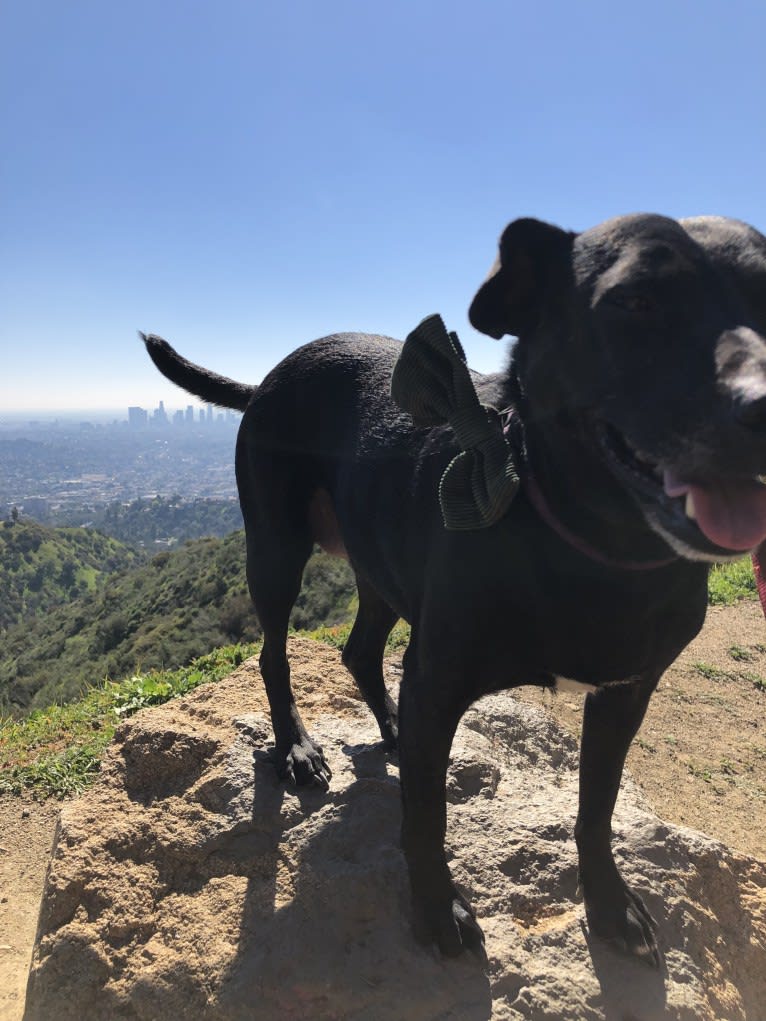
(143, 522)
(57, 750)
(70, 616)
(161, 615)
(45, 567)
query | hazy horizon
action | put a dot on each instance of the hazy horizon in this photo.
(110, 411)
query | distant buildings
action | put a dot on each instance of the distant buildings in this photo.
(158, 415)
(61, 472)
(140, 418)
(137, 418)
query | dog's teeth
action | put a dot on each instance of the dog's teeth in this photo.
(689, 507)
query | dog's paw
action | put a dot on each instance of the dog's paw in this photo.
(304, 764)
(451, 925)
(389, 733)
(388, 722)
(626, 924)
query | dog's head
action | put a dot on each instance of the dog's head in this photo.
(648, 335)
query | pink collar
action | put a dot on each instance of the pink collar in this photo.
(759, 560)
(512, 425)
(511, 420)
(540, 504)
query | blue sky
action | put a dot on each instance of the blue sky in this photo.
(241, 177)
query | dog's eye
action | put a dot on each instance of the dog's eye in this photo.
(630, 301)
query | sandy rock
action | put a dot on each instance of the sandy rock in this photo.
(191, 884)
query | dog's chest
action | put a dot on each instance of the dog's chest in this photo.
(588, 634)
(546, 622)
(595, 649)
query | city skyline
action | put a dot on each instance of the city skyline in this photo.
(205, 414)
(10, 418)
(73, 465)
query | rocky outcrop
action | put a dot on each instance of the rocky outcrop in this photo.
(191, 884)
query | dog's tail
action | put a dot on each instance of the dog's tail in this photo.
(226, 393)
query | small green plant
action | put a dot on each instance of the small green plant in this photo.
(700, 772)
(57, 775)
(338, 636)
(741, 654)
(399, 637)
(712, 673)
(140, 692)
(728, 583)
(56, 752)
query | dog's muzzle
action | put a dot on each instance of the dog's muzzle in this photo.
(701, 519)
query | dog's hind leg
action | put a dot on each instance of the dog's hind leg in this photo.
(274, 570)
(611, 719)
(363, 656)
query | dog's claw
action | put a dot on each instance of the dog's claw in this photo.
(630, 931)
(303, 765)
(472, 937)
(453, 927)
(389, 740)
(641, 927)
(322, 780)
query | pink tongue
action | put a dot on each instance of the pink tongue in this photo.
(730, 514)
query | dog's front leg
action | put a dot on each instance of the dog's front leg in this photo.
(615, 913)
(428, 718)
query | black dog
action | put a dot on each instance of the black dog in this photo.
(639, 385)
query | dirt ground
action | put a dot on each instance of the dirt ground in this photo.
(26, 837)
(700, 757)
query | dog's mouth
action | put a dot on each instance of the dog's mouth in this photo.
(701, 518)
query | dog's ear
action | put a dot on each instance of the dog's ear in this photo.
(534, 256)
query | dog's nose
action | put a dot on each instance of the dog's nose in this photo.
(741, 368)
(752, 413)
